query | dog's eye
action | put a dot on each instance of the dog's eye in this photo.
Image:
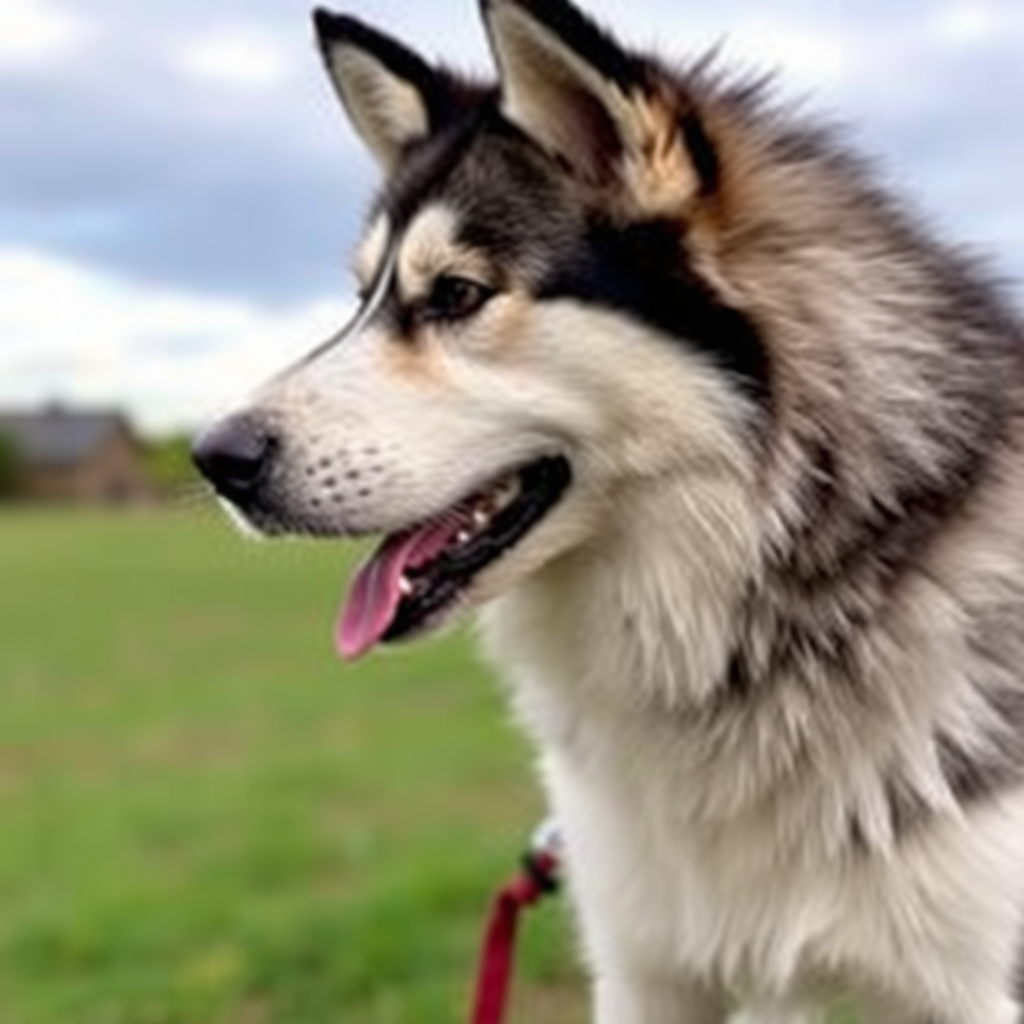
(454, 298)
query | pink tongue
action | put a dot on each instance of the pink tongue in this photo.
(375, 593)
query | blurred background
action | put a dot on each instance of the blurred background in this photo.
(205, 818)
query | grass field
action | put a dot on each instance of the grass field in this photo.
(206, 819)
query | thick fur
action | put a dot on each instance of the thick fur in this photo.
(771, 643)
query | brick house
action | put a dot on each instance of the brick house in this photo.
(72, 456)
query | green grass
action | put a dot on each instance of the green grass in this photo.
(207, 819)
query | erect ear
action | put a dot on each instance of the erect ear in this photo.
(581, 96)
(392, 95)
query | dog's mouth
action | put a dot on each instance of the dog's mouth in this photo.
(417, 575)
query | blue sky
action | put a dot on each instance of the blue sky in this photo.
(179, 194)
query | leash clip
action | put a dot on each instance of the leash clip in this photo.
(543, 858)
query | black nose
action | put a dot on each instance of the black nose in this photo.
(234, 456)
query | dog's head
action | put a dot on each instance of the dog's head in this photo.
(544, 325)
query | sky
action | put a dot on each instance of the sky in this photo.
(179, 192)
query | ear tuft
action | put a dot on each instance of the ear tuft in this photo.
(393, 97)
(610, 116)
(576, 32)
(562, 81)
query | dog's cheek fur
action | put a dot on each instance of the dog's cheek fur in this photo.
(624, 391)
(602, 388)
(645, 271)
(607, 387)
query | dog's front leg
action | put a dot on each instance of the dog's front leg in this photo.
(635, 1000)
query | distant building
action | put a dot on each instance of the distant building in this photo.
(71, 456)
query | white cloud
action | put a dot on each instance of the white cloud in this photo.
(241, 57)
(965, 24)
(34, 34)
(69, 332)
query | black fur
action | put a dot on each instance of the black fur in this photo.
(641, 270)
(702, 152)
(980, 773)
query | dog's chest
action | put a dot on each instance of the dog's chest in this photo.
(665, 889)
(659, 884)
(656, 877)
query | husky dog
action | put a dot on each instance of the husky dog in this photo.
(728, 452)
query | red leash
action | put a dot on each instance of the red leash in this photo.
(538, 878)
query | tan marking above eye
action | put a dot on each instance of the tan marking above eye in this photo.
(429, 250)
(369, 256)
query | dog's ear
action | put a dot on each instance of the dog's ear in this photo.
(393, 97)
(581, 96)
